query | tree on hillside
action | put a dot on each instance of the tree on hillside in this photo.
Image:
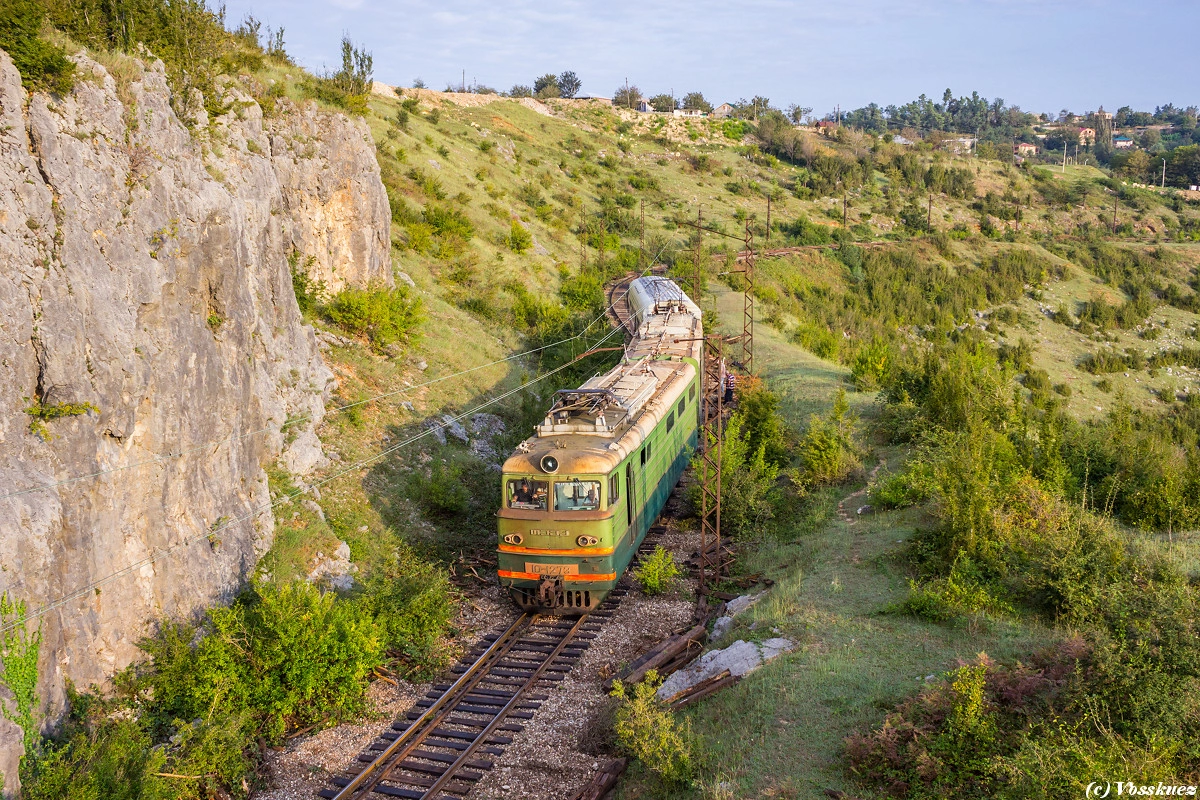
(694, 101)
(358, 68)
(569, 84)
(1136, 166)
(627, 96)
(797, 113)
(663, 102)
(546, 86)
(41, 64)
(520, 90)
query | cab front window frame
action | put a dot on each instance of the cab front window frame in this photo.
(527, 494)
(577, 494)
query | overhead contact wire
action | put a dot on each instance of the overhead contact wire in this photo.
(82, 592)
(158, 459)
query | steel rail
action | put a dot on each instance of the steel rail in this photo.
(516, 699)
(377, 770)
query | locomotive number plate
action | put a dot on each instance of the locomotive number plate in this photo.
(552, 569)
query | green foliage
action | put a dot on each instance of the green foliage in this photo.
(412, 606)
(287, 656)
(747, 480)
(189, 37)
(349, 87)
(310, 292)
(41, 412)
(101, 758)
(957, 594)
(519, 239)
(910, 487)
(444, 491)
(19, 652)
(764, 428)
(385, 316)
(657, 572)
(43, 66)
(828, 450)
(735, 129)
(648, 732)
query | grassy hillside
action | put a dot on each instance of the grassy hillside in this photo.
(959, 287)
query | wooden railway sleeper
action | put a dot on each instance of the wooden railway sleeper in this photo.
(433, 793)
(374, 774)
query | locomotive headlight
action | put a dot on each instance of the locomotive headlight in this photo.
(586, 541)
(513, 538)
(549, 464)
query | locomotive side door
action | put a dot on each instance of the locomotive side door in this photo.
(629, 504)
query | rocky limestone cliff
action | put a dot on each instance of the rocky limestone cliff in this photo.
(143, 270)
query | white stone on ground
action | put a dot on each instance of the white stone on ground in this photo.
(740, 658)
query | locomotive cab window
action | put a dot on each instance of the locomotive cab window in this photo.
(576, 495)
(528, 494)
(682, 405)
(614, 488)
(670, 420)
(692, 392)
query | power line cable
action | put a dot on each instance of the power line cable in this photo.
(83, 591)
(158, 459)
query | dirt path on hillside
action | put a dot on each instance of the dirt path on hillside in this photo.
(852, 498)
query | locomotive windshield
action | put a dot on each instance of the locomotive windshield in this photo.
(528, 494)
(576, 495)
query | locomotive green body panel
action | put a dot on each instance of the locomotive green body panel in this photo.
(579, 497)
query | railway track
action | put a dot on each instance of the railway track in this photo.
(446, 743)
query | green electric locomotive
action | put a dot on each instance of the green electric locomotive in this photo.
(580, 495)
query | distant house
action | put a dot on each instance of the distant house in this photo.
(825, 126)
(1102, 114)
(1087, 135)
(1122, 142)
(1025, 149)
(960, 145)
(687, 112)
(644, 106)
(898, 139)
(723, 111)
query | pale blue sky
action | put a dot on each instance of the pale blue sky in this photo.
(1043, 55)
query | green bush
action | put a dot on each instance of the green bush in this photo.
(412, 605)
(43, 66)
(19, 652)
(910, 487)
(310, 293)
(100, 757)
(648, 732)
(828, 450)
(747, 481)
(519, 239)
(444, 491)
(288, 656)
(657, 572)
(385, 316)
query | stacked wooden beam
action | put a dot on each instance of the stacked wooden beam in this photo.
(665, 657)
(603, 781)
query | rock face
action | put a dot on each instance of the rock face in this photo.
(143, 271)
(336, 210)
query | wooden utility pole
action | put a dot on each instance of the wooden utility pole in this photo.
(845, 208)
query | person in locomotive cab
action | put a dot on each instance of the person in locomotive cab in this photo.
(730, 383)
(523, 494)
(592, 501)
